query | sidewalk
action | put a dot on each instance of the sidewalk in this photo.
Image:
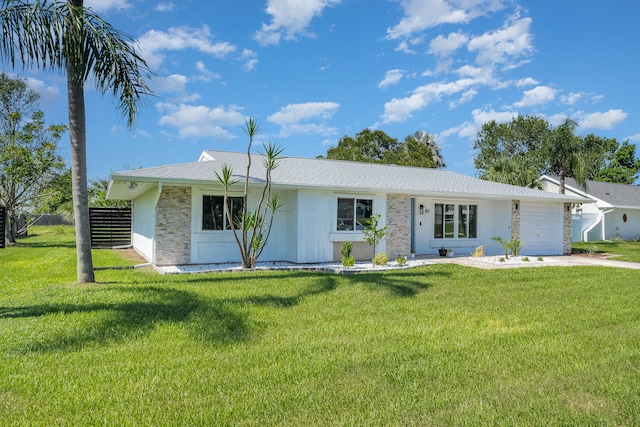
(492, 262)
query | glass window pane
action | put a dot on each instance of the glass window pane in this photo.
(345, 214)
(364, 208)
(473, 221)
(462, 221)
(235, 206)
(212, 212)
(449, 221)
(438, 221)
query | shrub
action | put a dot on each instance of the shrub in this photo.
(512, 246)
(525, 259)
(501, 259)
(346, 249)
(540, 258)
(381, 258)
(401, 260)
(348, 261)
(515, 246)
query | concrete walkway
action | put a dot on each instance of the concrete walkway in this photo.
(492, 262)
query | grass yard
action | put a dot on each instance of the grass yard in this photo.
(439, 345)
(625, 251)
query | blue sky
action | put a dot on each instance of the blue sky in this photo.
(312, 71)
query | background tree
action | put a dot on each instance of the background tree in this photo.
(621, 166)
(28, 151)
(368, 146)
(59, 199)
(98, 195)
(419, 150)
(569, 155)
(68, 37)
(420, 144)
(503, 150)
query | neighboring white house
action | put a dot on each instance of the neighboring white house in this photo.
(177, 215)
(613, 214)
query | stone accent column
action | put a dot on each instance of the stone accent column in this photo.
(566, 229)
(173, 226)
(515, 219)
(398, 239)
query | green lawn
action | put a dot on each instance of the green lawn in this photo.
(625, 251)
(439, 345)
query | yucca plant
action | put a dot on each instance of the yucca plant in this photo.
(253, 225)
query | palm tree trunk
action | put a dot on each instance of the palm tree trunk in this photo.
(78, 138)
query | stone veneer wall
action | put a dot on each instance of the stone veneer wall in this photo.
(515, 219)
(566, 229)
(398, 239)
(173, 226)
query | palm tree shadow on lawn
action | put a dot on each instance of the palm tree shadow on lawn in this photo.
(219, 321)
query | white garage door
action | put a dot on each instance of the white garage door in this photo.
(541, 229)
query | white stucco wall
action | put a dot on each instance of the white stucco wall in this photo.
(143, 224)
(494, 219)
(317, 233)
(617, 228)
(217, 246)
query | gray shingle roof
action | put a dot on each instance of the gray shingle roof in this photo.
(615, 194)
(336, 175)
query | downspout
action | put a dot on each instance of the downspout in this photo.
(601, 214)
(158, 193)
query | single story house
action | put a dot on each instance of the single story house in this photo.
(614, 211)
(177, 216)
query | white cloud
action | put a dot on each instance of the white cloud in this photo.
(104, 5)
(401, 109)
(536, 96)
(602, 120)
(49, 95)
(466, 97)
(172, 83)
(391, 77)
(445, 46)
(294, 113)
(165, 6)
(205, 74)
(469, 129)
(290, 118)
(153, 42)
(420, 15)
(501, 46)
(527, 81)
(481, 117)
(403, 46)
(290, 18)
(250, 59)
(634, 138)
(572, 98)
(199, 121)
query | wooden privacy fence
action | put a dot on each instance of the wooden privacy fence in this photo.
(110, 227)
(3, 218)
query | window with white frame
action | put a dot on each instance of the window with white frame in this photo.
(214, 216)
(455, 221)
(353, 213)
